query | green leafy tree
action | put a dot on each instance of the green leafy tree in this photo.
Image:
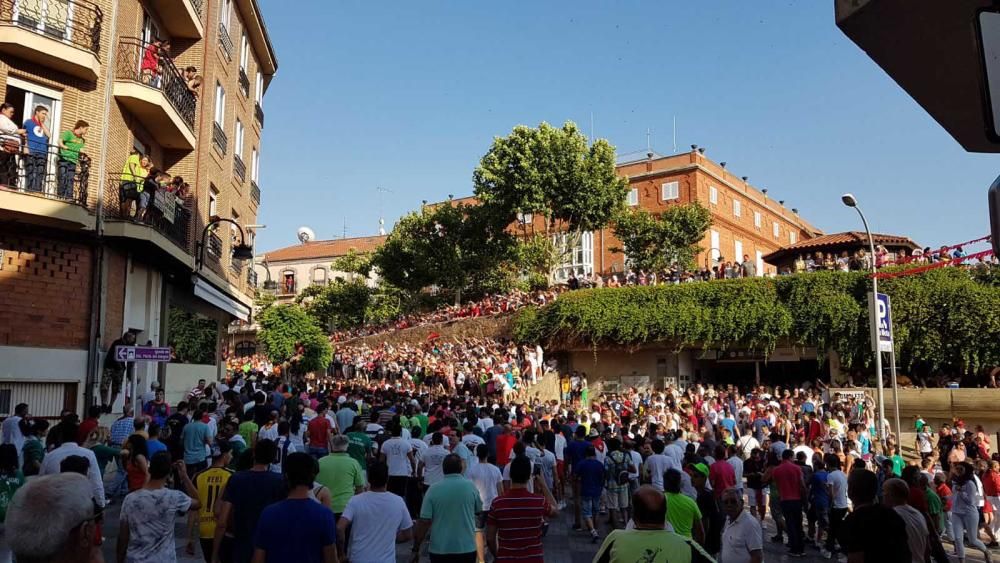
(193, 337)
(337, 305)
(353, 262)
(448, 246)
(656, 242)
(292, 338)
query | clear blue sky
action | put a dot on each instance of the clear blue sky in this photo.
(408, 96)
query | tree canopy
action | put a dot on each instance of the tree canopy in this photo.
(293, 339)
(193, 337)
(656, 242)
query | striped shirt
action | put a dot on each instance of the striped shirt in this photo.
(518, 516)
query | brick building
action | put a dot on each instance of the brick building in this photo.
(77, 269)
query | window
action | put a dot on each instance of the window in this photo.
(578, 259)
(756, 219)
(760, 263)
(225, 13)
(288, 282)
(737, 208)
(238, 150)
(319, 276)
(713, 249)
(258, 93)
(234, 230)
(792, 237)
(244, 51)
(713, 195)
(671, 190)
(220, 104)
(776, 228)
(525, 218)
(738, 250)
(213, 201)
(633, 197)
(254, 165)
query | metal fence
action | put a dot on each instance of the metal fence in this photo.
(47, 171)
(76, 22)
(149, 65)
(225, 41)
(219, 138)
(157, 207)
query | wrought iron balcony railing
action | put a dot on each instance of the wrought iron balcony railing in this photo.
(219, 139)
(198, 5)
(258, 112)
(77, 22)
(254, 192)
(44, 170)
(252, 278)
(236, 266)
(244, 83)
(225, 41)
(214, 246)
(148, 64)
(239, 168)
(166, 211)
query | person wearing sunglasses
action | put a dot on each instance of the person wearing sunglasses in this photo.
(52, 519)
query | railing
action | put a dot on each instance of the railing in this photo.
(225, 41)
(142, 62)
(254, 192)
(164, 211)
(252, 278)
(287, 287)
(219, 139)
(44, 171)
(214, 246)
(236, 266)
(239, 169)
(77, 22)
(244, 83)
(198, 5)
(258, 112)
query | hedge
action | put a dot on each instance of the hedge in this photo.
(944, 319)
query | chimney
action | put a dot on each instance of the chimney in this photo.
(781, 202)
(723, 164)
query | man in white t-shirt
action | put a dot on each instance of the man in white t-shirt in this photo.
(378, 519)
(836, 482)
(487, 479)
(433, 458)
(398, 454)
(742, 538)
(658, 464)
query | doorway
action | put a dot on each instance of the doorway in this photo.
(25, 97)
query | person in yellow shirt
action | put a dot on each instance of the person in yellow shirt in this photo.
(211, 484)
(134, 173)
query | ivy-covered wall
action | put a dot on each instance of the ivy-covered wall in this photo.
(944, 319)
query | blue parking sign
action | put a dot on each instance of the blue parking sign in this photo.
(882, 338)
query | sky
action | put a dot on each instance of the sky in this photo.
(408, 96)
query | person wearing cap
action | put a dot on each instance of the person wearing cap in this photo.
(210, 484)
(683, 513)
(710, 516)
(341, 474)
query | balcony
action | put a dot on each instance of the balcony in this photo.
(254, 193)
(236, 267)
(258, 112)
(42, 188)
(219, 139)
(60, 34)
(244, 83)
(225, 41)
(239, 169)
(150, 87)
(166, 221)
(214, 246)
(252, 278)
(180, 18)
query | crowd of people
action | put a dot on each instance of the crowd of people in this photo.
(347, 470)
(140, 181)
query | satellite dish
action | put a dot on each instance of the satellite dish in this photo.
(306, 234)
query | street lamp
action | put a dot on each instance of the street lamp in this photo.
(241, 251)
(850, 201)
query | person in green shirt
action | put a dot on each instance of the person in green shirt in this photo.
(70, 145)
(649, 542)
(11, 477)
(248, 430)
(133, 176)
(935, 506)
(34, 444)
(359, 444)
(682, 511)
(449, 509)
(341, 474)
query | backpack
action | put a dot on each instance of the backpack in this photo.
(621, 469)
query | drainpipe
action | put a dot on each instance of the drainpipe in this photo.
(98, 289)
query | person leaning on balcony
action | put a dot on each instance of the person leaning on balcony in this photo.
(193, 80)
(149, 68)
(38, 148)
(70, 145)
(133, 175)
(155, 180)
(10, 145)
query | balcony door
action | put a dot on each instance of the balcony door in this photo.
(51, 17)
(25, 97)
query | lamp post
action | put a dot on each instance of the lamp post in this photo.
(242, 251)
(850, 201)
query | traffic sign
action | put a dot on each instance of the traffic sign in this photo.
(142, 354)
(882, 333)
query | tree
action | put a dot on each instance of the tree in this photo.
(353, 263)
(193, 337)
(552, 173)
(449, 246)
(292, 338)
(337, 305)
(654, 243)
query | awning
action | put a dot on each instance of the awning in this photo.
(215, 297)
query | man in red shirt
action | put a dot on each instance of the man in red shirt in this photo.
(721, 474)
(516, 518)
(319, 429)
(814, 430)
(505, 443)
(791, 490)
(88, 425)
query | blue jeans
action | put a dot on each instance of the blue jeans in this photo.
(318, 452)
(34, 171)
(67, 173)
(591, 506)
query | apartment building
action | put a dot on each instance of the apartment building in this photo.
(79, 266)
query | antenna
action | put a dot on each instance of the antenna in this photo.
(381, 216)
(675, 134)
(591, 127)
(649, 142)
(345, 226)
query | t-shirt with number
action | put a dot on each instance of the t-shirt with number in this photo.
(210, 484)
